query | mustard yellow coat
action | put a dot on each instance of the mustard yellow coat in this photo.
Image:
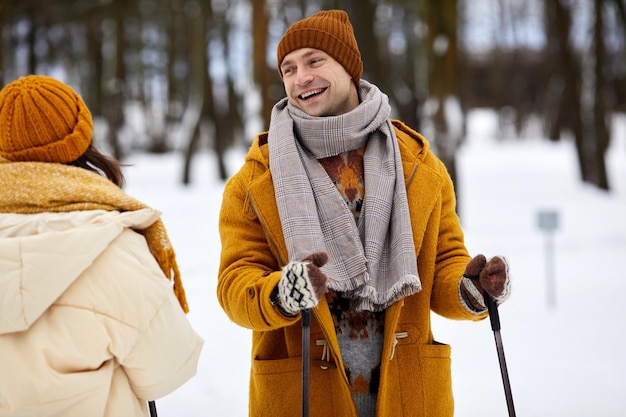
(415, 375)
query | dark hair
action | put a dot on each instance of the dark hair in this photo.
(95, 161)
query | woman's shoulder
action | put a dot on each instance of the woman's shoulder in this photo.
(124, 282)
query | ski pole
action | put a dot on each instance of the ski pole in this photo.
(152, 407)
(494, 317)
(306, 359)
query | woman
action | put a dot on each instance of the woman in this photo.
(90, 323)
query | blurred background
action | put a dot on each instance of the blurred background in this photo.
(525, 99)
(188, 75)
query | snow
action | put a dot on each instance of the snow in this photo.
(565, 359)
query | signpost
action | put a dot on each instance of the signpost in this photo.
(548, 221)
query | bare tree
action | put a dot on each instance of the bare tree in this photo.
(3, 7)
(116, 84)
(409, 49)
(587, 107)
(262, 75)
(572, 76)
(224, 99)
(600, 113)
(443, 91)
(199, 98)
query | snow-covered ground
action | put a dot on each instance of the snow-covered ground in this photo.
(565, 358)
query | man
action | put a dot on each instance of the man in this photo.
(339, 209)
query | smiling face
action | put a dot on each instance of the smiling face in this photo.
(317, 84)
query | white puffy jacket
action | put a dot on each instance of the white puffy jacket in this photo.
(89, 325)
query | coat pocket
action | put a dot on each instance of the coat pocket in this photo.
(437, 379)
(425, 379)
(276, 389)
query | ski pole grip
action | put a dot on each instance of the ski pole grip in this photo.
(494, 316)
(306, 318)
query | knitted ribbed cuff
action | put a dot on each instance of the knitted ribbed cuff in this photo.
(275, 301)
(471, 295)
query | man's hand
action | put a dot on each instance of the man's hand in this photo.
(302, 284)
(483, 276)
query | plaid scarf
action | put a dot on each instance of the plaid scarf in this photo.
(374, 261)
(37, 187)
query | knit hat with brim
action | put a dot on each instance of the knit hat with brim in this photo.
(329, 31)
(43, 120)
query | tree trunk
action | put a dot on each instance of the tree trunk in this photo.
(117, 84)
(94, 55)
(262, 75)
(409, 106)
(222, 121)
(172, 28)
(3, 5)
(600, 109)
(442, 47)
(31, 38)
(363, 19)
(572, 77)
(198, 99)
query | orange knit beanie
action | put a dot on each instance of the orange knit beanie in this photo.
(43, 120)
(329, 31)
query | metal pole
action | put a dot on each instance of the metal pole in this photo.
(550, 275)
(494, 317)
(152, 407)
(306, 360)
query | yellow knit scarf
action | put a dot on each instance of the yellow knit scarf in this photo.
(36, 187)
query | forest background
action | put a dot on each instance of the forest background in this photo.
(188, 75)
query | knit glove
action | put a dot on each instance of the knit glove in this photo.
(302, 284)
(482, 276)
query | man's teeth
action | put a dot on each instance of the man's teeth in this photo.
(310, 93)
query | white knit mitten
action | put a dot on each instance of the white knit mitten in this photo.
(302, 284)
